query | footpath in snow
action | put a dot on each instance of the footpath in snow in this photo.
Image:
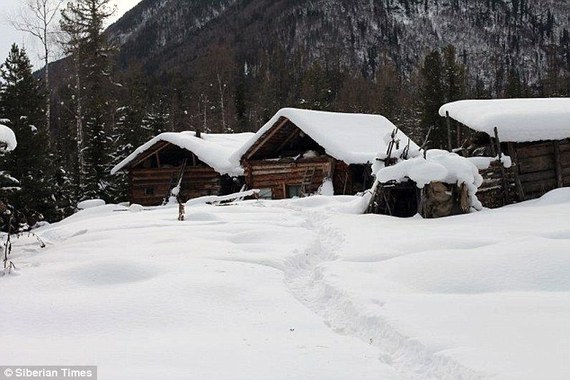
(297, 289)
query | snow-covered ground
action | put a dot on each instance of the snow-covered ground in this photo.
(296, 289)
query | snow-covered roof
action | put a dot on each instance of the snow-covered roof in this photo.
(517, 120)
(8, 138)
(213, 149)
(352, 138)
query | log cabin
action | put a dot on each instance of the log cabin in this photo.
(198, 164)
(533, 133)
(299, 152)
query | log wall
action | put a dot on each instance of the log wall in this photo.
(542, 166)
(277, 175)
(538, 167)
(197, 181)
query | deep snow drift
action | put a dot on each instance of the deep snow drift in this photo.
(296, 289)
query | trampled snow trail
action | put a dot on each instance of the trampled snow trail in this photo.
(342, 312)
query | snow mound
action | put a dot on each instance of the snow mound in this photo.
(90, 203)
(136, 208)
(509, 267)
(554, 197)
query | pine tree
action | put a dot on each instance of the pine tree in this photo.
(432, 98)
(95, 106)
(22, 102)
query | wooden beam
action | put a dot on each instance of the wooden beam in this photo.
(558, 164)
(272, 131)
(295, 133)
(515, 160)
(150, 152)
(503, 173)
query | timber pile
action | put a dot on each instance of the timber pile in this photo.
(492, 192)
(442, 199)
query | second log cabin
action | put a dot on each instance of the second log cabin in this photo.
(300, 152)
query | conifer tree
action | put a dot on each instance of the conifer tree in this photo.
(95, 106)
(432, 98)
(22, 102)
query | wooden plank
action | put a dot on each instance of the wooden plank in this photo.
(565, 159)
(546, 175)
(532, 189)
(536, 164)
(557, 164)
(149, 153)
(564, 145)
(529, 150)
(259, 143)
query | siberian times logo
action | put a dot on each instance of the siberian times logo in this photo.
(48, 372)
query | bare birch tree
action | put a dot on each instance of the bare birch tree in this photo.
(37, 19)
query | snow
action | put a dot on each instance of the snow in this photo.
(517, 120)
(295, 289)
(438, 166)
(352, 138)
(7, 137)
(90, 203)
(327, 188)
(213, 149)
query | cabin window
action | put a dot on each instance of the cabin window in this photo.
(293, 191)
(149, 191)
(266, 193)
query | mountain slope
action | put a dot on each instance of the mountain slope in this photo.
(489, 34)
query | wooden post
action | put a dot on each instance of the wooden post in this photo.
(448, 122)
(506, 196)
(558, 164)
(515, 159)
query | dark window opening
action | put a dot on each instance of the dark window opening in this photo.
(361, 177)
(149, 191)
(293, 191)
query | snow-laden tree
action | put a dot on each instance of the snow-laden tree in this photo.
(94, 102)
(22, 107)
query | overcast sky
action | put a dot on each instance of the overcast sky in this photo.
(8, 35)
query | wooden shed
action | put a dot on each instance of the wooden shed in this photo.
(198, 163)
(299, 151)
(533, 133)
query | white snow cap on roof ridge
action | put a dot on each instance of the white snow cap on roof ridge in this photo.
(8, 137)
(213, 149)
(350, 137)
(517, 120)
